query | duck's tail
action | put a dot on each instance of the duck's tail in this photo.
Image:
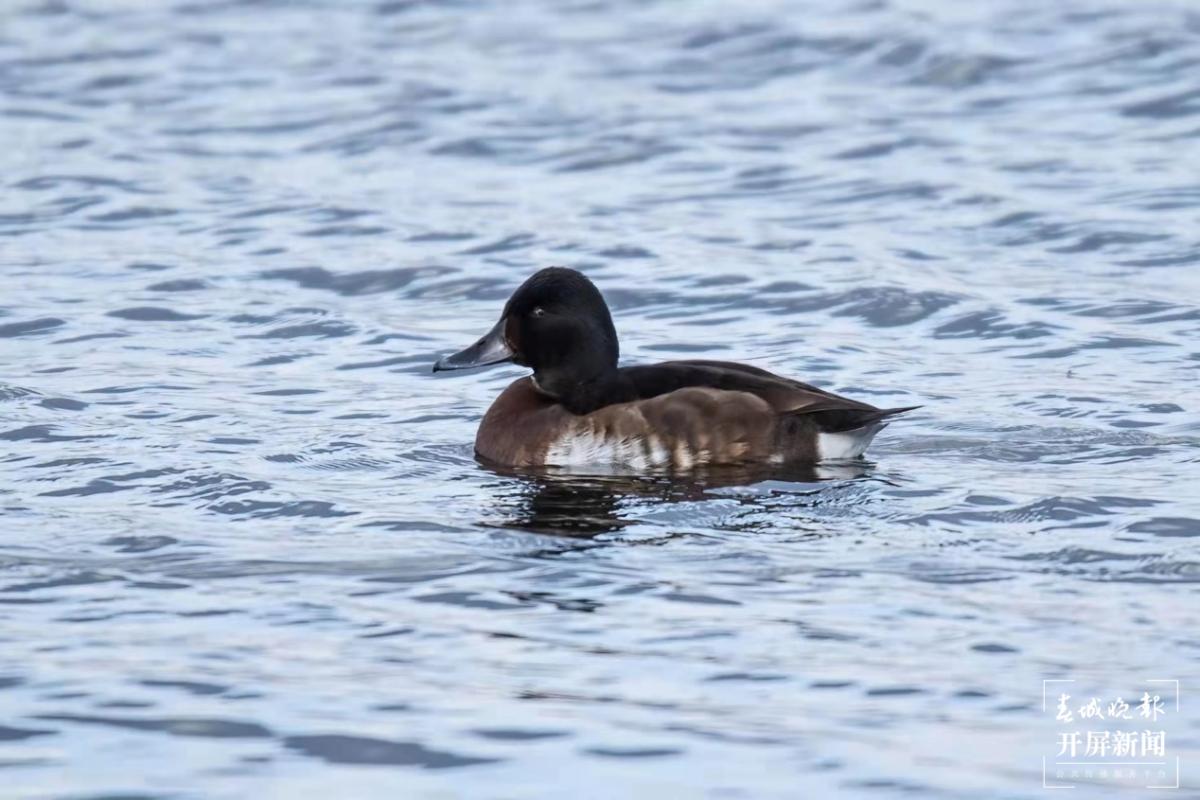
(845, 434)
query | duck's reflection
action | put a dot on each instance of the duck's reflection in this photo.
(559, 503)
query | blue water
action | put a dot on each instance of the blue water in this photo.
(245, 550)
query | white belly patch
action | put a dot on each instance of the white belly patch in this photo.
(587, 449)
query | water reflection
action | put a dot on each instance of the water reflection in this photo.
(556, 502)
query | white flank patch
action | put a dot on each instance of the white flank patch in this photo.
(588, 449)
(845, 445)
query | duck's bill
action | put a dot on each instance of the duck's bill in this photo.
(491, 349)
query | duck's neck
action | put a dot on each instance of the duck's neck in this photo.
(581, 393)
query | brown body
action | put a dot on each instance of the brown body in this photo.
(688, 427)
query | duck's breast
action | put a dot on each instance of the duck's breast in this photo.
(520, 427)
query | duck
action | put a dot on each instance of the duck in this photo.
(581, 409)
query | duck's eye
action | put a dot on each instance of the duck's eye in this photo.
(538, 312)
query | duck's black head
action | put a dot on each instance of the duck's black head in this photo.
(556, 323)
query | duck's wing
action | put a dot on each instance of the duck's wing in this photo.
(747, 369)
(828, 411)
(782, 394)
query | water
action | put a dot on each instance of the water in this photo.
(246, 551)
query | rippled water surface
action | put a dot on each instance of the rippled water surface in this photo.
(246, 550)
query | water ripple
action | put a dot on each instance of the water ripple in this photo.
(247, 549)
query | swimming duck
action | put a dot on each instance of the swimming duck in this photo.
(580, 409)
